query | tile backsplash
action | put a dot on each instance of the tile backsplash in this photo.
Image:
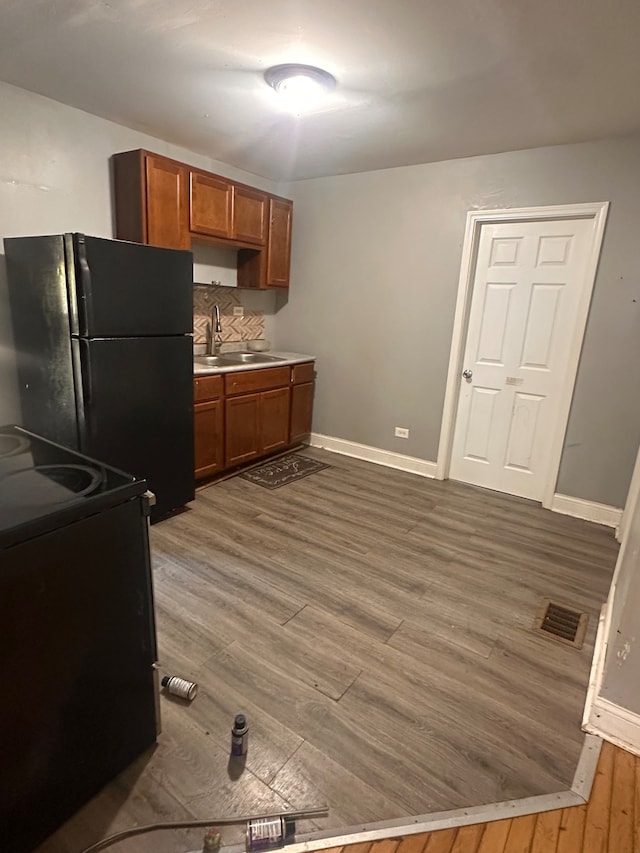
(250, 327)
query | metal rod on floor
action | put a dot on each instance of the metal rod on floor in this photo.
(202, 824)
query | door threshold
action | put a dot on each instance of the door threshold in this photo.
(577, 795)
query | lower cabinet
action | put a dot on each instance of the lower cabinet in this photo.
(208, 426)
(301, 411)
(243, 429)
(249, 414)
(274, 420)
(257, 424)
(302, 387)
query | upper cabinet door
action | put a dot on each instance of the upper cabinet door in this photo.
(211, 205)
(166, 201)
(250, 208)
(279, 246)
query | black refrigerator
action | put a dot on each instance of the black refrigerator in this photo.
(102, 330)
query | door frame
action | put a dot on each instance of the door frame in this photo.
(633, 495)
(597, 211)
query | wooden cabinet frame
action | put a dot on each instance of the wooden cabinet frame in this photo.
(302, 391)
(162, 202)
(208, 425)
(151, 199)
(255, 412)
(210, 205)
(250, 215)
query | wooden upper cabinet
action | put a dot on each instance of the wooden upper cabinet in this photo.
(166, 203)
(151, 195)
(210, 205)
(279, 245)
(162, 202)
(250, 211)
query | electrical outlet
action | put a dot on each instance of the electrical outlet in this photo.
(402, 432)
(238, 311)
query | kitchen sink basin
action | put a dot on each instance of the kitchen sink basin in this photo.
(229, 359)
(251, 357)
(214, 360)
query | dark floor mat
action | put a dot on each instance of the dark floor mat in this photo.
(282, 471)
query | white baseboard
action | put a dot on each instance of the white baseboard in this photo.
(374, 454)
(615, 724)
(578, 507)
(597, 666)
(590, 510)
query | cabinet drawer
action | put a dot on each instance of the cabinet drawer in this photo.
(206, 388)
(302, 373)
(244, 382)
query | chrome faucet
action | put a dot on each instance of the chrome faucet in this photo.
(214, 331)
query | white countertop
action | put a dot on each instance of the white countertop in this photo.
(286, 358)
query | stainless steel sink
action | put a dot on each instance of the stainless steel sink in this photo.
(251, 357)
(215, 360)
(229, 359)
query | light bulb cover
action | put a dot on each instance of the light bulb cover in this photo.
(278, 75)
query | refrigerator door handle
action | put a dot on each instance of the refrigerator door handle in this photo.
(82, 285)
(87, 385)
(86, 424)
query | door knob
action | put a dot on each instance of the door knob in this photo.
(467, 373)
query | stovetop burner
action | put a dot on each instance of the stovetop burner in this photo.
(48, 485)
(11, 445)
(42, 482)
(79, 479)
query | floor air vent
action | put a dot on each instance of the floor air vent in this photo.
(561, 623)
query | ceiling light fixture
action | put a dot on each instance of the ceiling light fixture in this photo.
(301, 86)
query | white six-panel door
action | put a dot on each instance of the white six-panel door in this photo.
(526, 291)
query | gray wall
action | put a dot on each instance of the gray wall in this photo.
(375, 271)
(374, 274)
(54, 177)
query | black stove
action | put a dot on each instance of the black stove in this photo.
(43, 485)
(77, 632)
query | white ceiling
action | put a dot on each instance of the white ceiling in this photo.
(418, 80)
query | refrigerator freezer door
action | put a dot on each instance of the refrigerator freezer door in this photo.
(127, 289)
(138, 411)
(37, 278)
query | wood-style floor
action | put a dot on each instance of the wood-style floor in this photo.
(375, 628)
(609, 823)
